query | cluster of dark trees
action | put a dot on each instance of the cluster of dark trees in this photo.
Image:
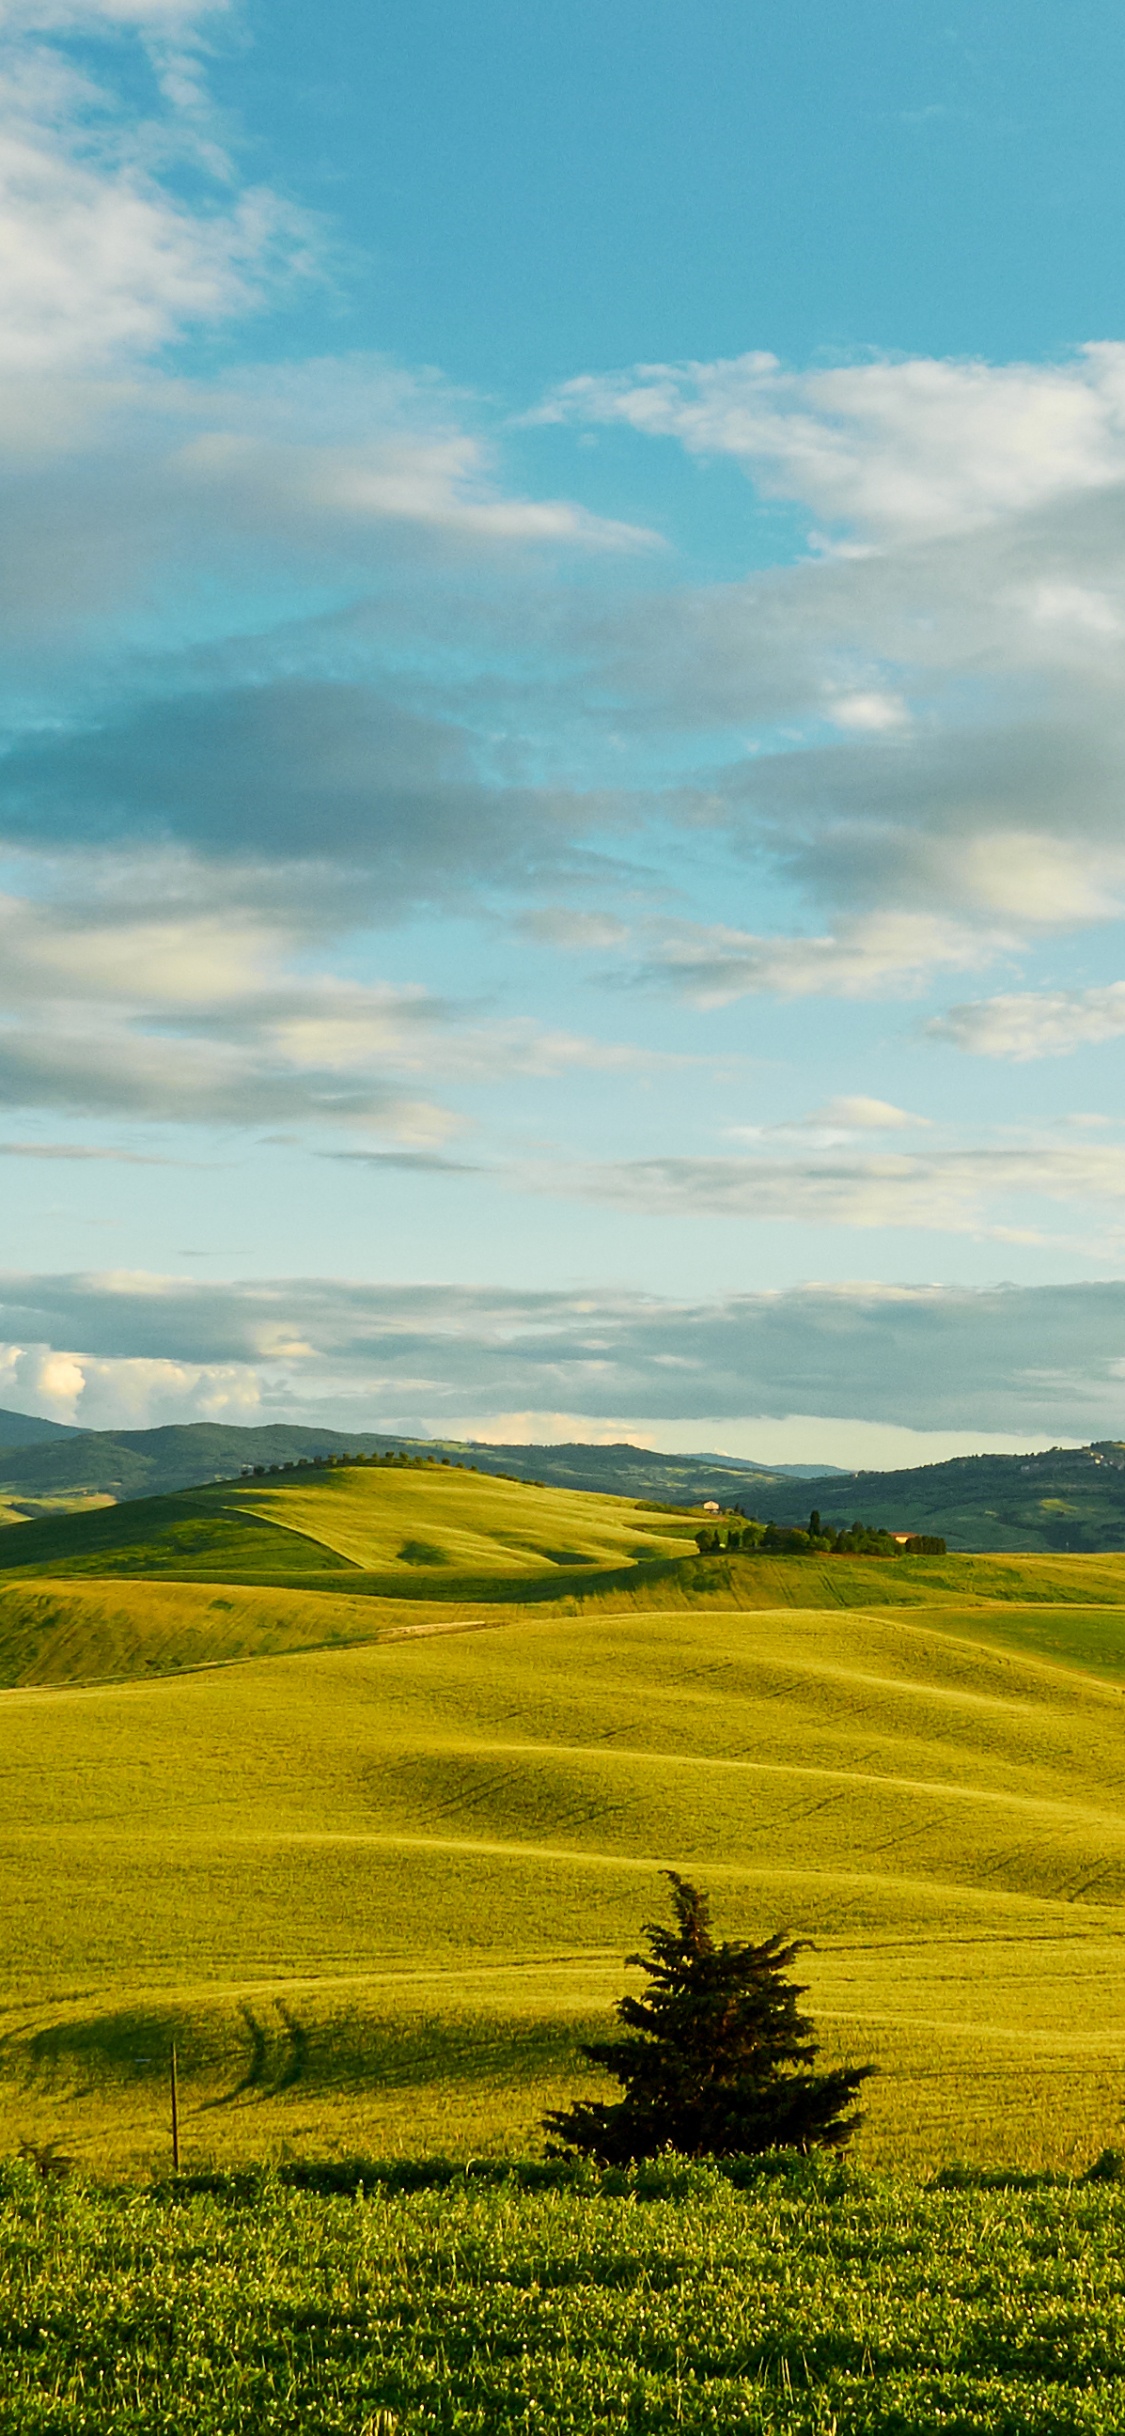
(821, 1539)
(720, 2061)
(733, 1535)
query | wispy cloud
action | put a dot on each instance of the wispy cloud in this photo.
(886, 954)
(296, 651)
(839, 1121)
(102, 262)
(178, 1013)
(84, 1150)
(1035, 1023)
(568, 927)
(998, 1191)
(411, 1162)
(931, 744)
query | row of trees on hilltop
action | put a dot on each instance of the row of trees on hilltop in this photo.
(351, 1463)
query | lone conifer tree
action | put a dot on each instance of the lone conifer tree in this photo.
(719, 2065)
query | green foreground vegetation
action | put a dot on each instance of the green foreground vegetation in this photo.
(814, 2300)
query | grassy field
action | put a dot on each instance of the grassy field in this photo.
(422, 1531)
(372, 1855)
(20, 1509)
(812, 2302)
(66, 1629)
(374, 1861)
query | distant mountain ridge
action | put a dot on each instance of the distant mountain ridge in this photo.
(25, 1429)
(153, 1462)
(1068, 1499)
(58, 1462)
(1065, 1499)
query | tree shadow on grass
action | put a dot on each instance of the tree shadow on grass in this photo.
(231, 2055)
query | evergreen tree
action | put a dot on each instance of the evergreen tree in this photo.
(719, 2065)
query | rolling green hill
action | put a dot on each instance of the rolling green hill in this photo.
(386, 1529)
(155, 1462)
(26, 1429)
(377, 1893)
(314, 1556)
(358, 1783)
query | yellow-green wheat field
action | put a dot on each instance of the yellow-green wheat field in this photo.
(370, 1839)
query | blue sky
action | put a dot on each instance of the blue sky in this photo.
(561, 634)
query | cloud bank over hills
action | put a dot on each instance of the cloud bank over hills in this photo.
(1010, 1366)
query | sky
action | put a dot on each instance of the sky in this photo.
(562, 626)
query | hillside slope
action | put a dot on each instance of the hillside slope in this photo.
(377, 1894)
(1071, 1498)
(21, 1429)
(249, 1567)
(81, 1628)
(156, 1462)
(389, 1529)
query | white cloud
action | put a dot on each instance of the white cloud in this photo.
(964, 635)
(97, 1394)
(1042, 880)
(100, 16)
(104, 264)
(916, 448)
(100, 262)
(1028, 1024)
(934, 744)
(339, 448)
(170, 958)
(856, 1110)
(836, 1123)
(870, 714)
(108, 1071)
(84, 1151)
(762, 1438)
